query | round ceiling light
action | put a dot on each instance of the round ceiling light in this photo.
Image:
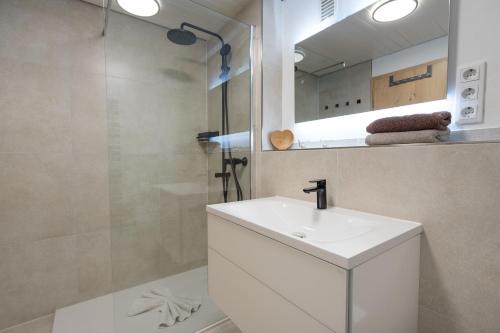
(299, 55)
(393, 10)
(140, 7)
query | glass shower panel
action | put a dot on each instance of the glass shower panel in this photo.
(160, 97)
(234, 145)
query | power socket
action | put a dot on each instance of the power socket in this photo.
(470, 89)
(468, 112)
(469, 92)
(470, 73)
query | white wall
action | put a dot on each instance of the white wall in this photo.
(272, 66)
(478, 40)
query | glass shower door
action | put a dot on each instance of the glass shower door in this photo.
(160, 97)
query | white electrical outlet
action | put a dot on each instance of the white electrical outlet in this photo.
(468, 111)
(469, 92)
(470, 73)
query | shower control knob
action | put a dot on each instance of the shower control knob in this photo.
(235, 161)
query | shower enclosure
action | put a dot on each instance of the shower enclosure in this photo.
(171, 151)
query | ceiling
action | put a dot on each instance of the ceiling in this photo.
(358, 38)
(229, 8)
(210, 14)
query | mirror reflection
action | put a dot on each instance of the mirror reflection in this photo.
(395, 54)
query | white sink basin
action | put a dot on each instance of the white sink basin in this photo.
(343, 237)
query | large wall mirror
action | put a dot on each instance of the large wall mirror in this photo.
(360, 64)
(344, 64)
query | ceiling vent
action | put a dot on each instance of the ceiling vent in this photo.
(327, 9)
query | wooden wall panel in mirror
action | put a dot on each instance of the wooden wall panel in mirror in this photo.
(418, 84)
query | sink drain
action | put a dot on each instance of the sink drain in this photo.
(299, 234)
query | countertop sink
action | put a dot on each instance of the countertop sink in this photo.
(343, 237)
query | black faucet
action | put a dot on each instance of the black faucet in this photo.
(320, 190)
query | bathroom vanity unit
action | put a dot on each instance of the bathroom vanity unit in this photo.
(280, 265)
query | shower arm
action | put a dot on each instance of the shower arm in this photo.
(225, 48)
(203, 30)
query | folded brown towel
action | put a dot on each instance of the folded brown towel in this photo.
(416, 122)
(393, 138)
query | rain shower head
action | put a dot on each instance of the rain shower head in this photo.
(181, 36)
(185, 37)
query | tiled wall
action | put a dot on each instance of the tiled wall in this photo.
(56, 233)
(452, 190)
(40, 325)
(54, 215)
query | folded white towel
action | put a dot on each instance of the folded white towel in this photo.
(172, 308)
(167, 318)
(144, 304)
(190, 304)
(175, 309)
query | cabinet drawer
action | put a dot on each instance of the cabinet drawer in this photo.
(251, 305)
(316, 287)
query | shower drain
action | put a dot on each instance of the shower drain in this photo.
(299, 234)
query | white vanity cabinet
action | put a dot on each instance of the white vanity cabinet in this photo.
(265, 283)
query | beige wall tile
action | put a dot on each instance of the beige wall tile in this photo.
(35, 110)
(37, 277)
(287, 173)
(94, 264)
(451, 189)
(133, 271)
(88, 113)
(194, 228)
(63, 34)
(128, 39)
(39, 325)
(433, 322)
(90, 192)
(35, 196)
(53, 157)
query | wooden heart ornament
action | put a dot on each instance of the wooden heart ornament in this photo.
(281, 140)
